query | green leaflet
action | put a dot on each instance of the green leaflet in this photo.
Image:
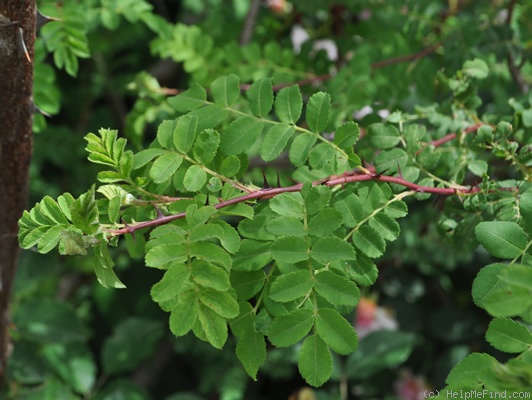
(503, 239)
(226, 90)
(252, 256)
(332, 248)
(210, 116)
(473, 370)
(300, 148)
(84, 212)
(383, 136)
(206, 146)
(318, 108)
(165, 167)
(170, 286)
(337, 289)
(240, 135)
(195, 178)
(320, 155)
(325, 222)
(209, 275)
(316, 198)
(291, 286)
(286, 226)
(213, 325)
(230, 166)
(369, 242)
(288, 104)
(275, 141)
(251, 346)
(103, 267)
(335, 331)
(288, 205)
(190, 99)
(315, 361)
(290, 328)
(247, 284)
(260, 96)
(162, 256)
(185, 132)
(290, 250)
(346, 135)
(184, 314)
(222, 303)
(508, 335)
(390, 161)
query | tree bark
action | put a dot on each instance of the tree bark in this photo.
(17, 37)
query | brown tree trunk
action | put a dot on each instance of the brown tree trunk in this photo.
(17, 36)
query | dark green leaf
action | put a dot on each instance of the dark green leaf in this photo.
(288, 104)
(503, 239)
(290, 250)
(325, 222)
(289, 329)
(275, 141)
(240, 135)
(335, 331)
(185, 132)
(508, 335)
(190, 99)
(318, 108)
(332, 248)
(291, 286)
(260, 96)
(300, 148)
(336, 289)
(315, 361)
(226, 90)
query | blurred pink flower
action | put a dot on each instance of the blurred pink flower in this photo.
(371, 317)
(410, 387)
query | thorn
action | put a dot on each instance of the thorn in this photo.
(159, 213)
(41, 19)
(378, 175)
(132, 233)
(37, 110)
(207, 200)
(399, 172)
(21, 44)
(278, 180)
(438, 198)
(266, 184)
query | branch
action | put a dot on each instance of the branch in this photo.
(334, 180)
(249, 23)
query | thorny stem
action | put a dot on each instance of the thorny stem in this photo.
(335, 180)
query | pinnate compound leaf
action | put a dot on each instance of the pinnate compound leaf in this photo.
(275, 141)
(335, 331)
(508, 335)
(190, 99)
(206, 146)
(240, 135)
(336, 289)
(165, 167)
(184, 314)
(195, 178)
(332, 248)
(383, 136)
(315, 361)
(213, 325)
(288, 104)
(260, 96)
(290, 328)
(171, 284)
(185, 132)
(291, 286)
(290, 250)
(300, 148)
(318, 108)
(226, 90)
(503, 239)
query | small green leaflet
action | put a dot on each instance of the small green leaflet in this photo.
(185, 132)
(508, 335)
(290, 328)
(346, 135)
(335, 331)
(337, 289)
(300, 148)
(206, 146)
(213, 325)
(260, 96)
(195, 178)
(190, 99)
(325, 222)
(288, 205)
(171, 284)
(184, 314)
(286, 226)
(275, 141)
(290, 250)
(503, 239)
(318, 108)
(288, 104)
(291, 286)
(240, 135)
(332, 248)
(383, 136)
(222, 303)
(165, 166)
(226, 90)
(315, 361)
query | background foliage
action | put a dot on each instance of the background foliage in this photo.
(430, 93)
